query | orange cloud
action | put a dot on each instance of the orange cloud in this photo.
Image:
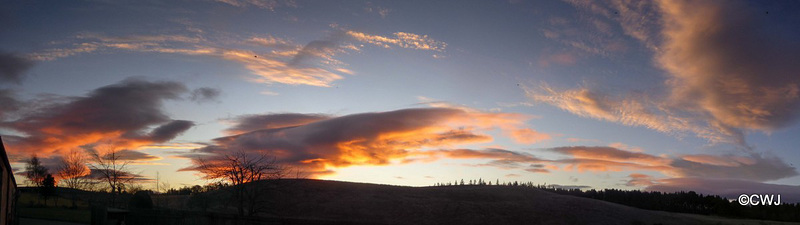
(732, 62)
(510, 123)
(127, 115)
(322, 144)
(401, 39)
(641, 180)
(528, 136)
(599, 158)
(611, 154)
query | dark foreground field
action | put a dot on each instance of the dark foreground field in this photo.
(345, 202)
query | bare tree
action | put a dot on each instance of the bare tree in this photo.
(112, 169)
(35, 171)
(72, 170)
(238, 169)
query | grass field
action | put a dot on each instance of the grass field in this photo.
(59, 214)
(31, 205)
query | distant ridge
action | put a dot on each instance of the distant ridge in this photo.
(388, 204)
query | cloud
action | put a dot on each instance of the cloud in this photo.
(382, 11)
(318, 144)
(248, 123)
(594, 34)
(169, 130)
(274, 60)
(8, 103)
(557, 186)
(728, 188)
(205, 94)
(611, 154)
(130, 155)
(634, 110)
(285, 63)
(599, 165)
(640, 180)
(500, 158)
(318, 49)
(98, 175)
(558, 58)
(400, 39)
(55, 53)
(729, 70)
(637, 19)
(732, 62)
(13, 67)
(272, 69)
(537, 170)
(270, 41)
(120, 114)
(754, 168)
(264, 4)
(528, 136)
(715, 160)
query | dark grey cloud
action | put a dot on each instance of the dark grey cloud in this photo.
(249, 123)
(8, 102)
(98, 174)
(131, 155)
(13, 67)
(753, 168)
(170, 130)
(557, 186)
(205, 94)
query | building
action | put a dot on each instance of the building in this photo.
(8, 191)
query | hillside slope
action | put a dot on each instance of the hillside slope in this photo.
(384, 204)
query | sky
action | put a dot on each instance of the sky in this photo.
(648, 95)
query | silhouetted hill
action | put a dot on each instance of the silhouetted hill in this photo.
(385, 204)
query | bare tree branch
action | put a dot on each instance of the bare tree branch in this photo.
(72, 170)
(238, 169)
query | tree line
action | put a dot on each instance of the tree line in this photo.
(680, 202)
(107, 169)
(100, 169)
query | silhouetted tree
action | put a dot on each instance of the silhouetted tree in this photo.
(112, 168)
(72, 170)
(34, 171)
(48, 188)
(238, 169)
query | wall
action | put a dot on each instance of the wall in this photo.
(8, 189)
